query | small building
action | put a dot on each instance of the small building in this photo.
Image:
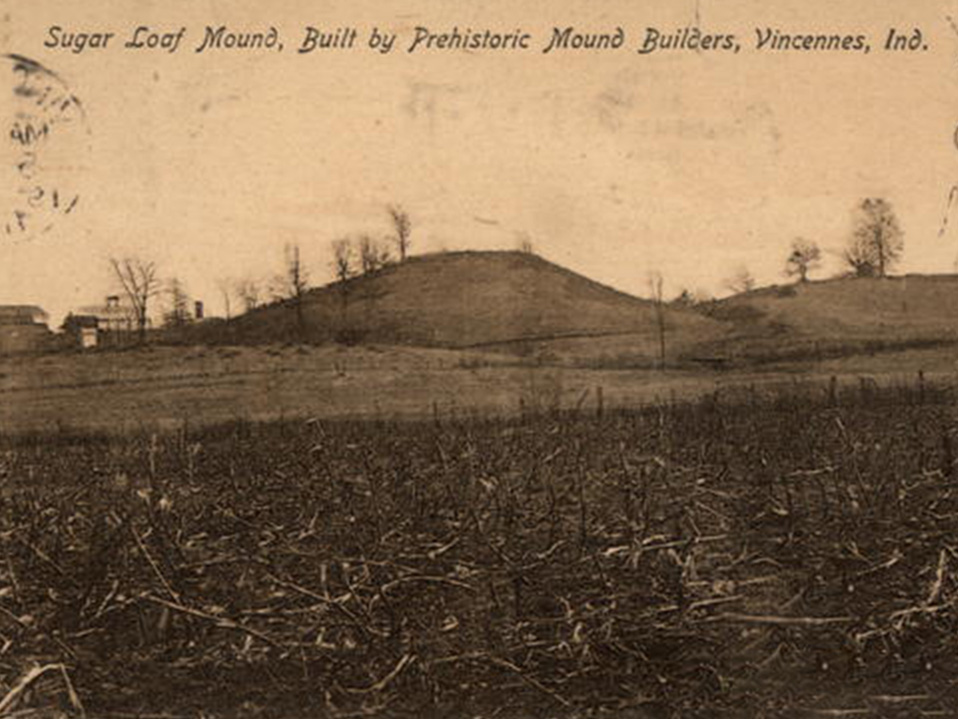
(114, 316)
(112, 324)
(23, 328)
(83, 330)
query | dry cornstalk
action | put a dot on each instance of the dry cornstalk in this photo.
(24, 683)
(899, 698)
(337, 605)
(781, 621)
(530, 681)
(218, 621)
(71, 692)
(384, 682)
(939, 579)
(156, 568)
(426, 578)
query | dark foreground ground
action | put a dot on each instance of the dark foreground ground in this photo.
(776, 556)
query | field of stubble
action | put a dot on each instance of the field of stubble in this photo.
(776, 556)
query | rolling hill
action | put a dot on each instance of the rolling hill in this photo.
(840, 317)
(522, 304)
(503, 301)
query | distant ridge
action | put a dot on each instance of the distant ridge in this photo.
(907, 306)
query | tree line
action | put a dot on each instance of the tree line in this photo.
(142, 285)
(874, 248)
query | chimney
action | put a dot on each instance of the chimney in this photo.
(198, 309)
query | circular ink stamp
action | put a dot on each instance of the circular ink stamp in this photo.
(43, 152)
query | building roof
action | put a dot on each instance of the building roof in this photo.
(22, 314)
(107, 312)
(78, 321)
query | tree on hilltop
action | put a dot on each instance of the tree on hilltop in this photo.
(295, 282)
(373, 255)
(877, 242)
(402, 226)
(249, 293)
(804, 257)
(343, 267)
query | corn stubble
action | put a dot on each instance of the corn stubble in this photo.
(785, 555)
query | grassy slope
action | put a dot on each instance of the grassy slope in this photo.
(522, 304)
(466, 299)
(842, 316)
(822, 329)
(167, 387)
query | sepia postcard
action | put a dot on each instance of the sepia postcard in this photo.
(478, 359)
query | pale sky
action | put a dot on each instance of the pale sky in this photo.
(613, 163)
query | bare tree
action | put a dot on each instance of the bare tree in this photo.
(343, 267)
(877, 241)
(804, 257)
(524, 243)
(179, 313)
(342, 259)
(249, 293)
(367, 255)
(658, 298)
(402, 226)
(140, 282)
(295, 282)
(225, 286)
(372, 254)
(741, 281)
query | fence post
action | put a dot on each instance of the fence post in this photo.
(599, 402)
